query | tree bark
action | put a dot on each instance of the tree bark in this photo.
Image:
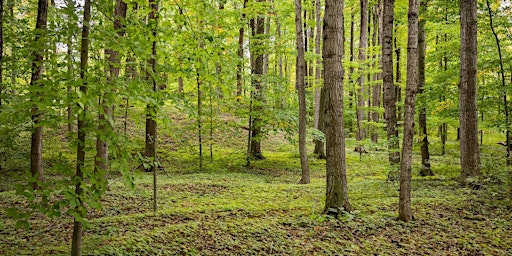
(503, 84)
(76, 247)
(301, 91)
(469, 148)
(151, 126)
(426, 170)
(319, 117)
(240, 66)
(404, 206)
(337, 190)
(36, 150)
(258, 27)
(388, 82)
(1, 55)
(363, 45)
(376, 41)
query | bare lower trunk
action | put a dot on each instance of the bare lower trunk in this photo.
(469, 148)
(301, 91)
(426, 170)
(337, 189)
(388, 82)
(404, 206)
(319, 144)
(363, 45)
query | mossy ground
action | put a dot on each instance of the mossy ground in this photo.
(229, 209)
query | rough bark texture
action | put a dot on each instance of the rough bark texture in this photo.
(469, 148)
(76, 247)
(426, 170)
(337, 190)
(376, 41)
(301, 91)
(363, 45)
(404, 206)
(258, 27)
(388, 82)
(36, 159)
(319, 144)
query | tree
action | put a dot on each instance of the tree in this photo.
(376, 41)
(318, 118)
(404, 207)
(388, 83)
(1, 54)
(76, 247)
(363, 45)
(469, 147)
(258, 34)
(114, 64)
(151, 108)
(301, 91)
(426, 170)
(36, 149)
(503, 85)
(332, 54)
(240, 65)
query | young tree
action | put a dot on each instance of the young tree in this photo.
(469, 147)
(332, 54)
(114, 63)
(151, 109)
(319, 116)
(258, 34)
(404, 207)
(240, 66)
(363, 45)
(388, 82)
(301, 91)
(376, 90)
(76, 247)
(503, 85)
(426, 170)
(36, 150)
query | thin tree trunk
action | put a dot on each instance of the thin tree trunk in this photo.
(469, 148)
(388, 82)
(319, 144)
(363, 45)
(1, 55)
(76, 247)
(301, 91)
(104, 126)
(69, 59)
(503, 84)
(337, 189)
(351, 68)
(258, 27)
(151, 125)
(240, 65)
(36, 150)
(398, 80)
(426, 170)
(404, 207)
(376, 40)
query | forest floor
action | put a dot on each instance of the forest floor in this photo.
(229, 209)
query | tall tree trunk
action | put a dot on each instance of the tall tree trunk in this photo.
(388, 82)
(363, 45)
(104, 126)
(337, 189)
(301, 91)
(398, 79)
(151, 126)
(319, 116)
(36, 159)
(76, 247)
(240, 65)
(1, 55)
(69, 58)
(426, 170)
(258, 27)
(404, 207)
(376, 41)
(469, 148)
(351, 68)
(503, 85)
